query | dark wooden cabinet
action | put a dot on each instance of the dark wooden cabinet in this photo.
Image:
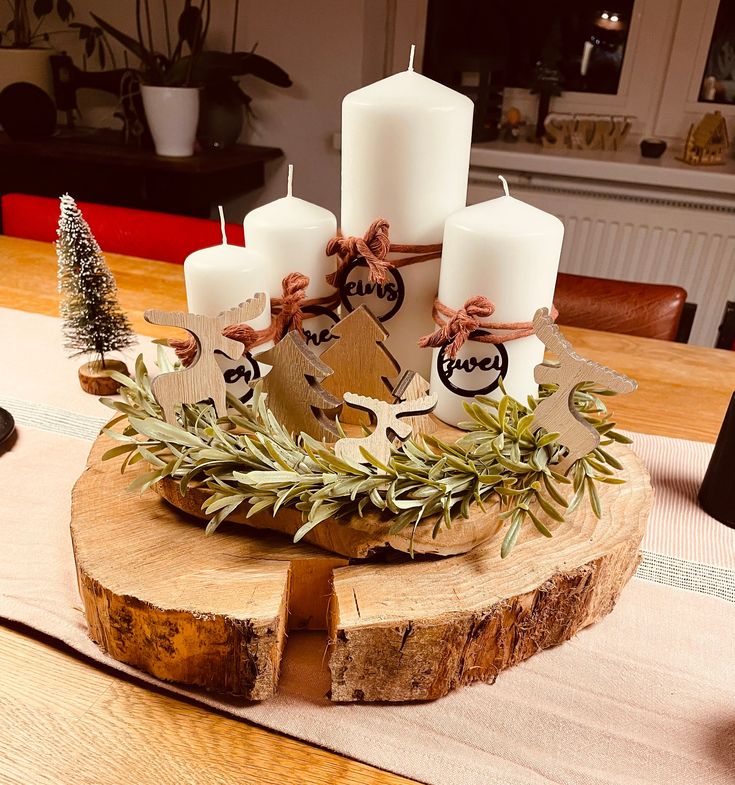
(94, 166)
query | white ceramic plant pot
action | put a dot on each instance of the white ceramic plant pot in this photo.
(172, 114)
(26, 65)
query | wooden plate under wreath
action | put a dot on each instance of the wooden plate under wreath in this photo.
(214, 611)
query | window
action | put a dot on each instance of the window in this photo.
(583, 42)
(701, 71)
(718, 80)
(649, 66)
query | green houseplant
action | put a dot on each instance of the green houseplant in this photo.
(25, 39)
(23, 56)
(172, 76)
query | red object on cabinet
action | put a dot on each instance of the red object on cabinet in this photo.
(123, 230)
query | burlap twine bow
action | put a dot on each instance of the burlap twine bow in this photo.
(457, 326)
(374, 248)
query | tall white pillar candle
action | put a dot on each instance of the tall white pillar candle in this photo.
(508, 251)
(405, 157)
(291, 235)
(219, 278)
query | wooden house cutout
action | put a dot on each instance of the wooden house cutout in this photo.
(707, 142)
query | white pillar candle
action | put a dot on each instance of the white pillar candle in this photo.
(219, 278)
(405, 157)
(291, 235)
(508, 251)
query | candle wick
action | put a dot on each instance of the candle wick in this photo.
(505, 184)
(410, 57)
(290, 180)
(222, 225)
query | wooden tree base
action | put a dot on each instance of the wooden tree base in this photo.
(214, 611)
(93, 377)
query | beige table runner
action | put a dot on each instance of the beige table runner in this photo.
(647, 696)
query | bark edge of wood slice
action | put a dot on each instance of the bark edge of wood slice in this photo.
(213, 612)
(480, 614)
(158, 594)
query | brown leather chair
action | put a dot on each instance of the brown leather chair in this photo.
(646, 309)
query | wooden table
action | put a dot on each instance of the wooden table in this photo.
(63, 720)
(85, 161)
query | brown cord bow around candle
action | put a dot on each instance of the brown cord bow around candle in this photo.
(287, 312)
(186, 348)
(374, 248)
(457, 326)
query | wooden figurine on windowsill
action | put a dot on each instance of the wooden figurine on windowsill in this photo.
(585, 132)
(707, 142)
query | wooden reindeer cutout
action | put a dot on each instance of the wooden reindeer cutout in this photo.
(378, 443)
(557, 413)
(410, 387)
(203, 378)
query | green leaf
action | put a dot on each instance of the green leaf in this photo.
(618, 437)
(549, 509)
(213, 504)
(165, 432)
(147, 58)
(553, 491)
(524, 424)
(121, 449)
(547, 438)
(511, 536)
(144, 481)
(317, 515)
(594, 498)
(611, 460)
(538, 523)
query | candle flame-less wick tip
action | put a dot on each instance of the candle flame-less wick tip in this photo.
(290, 180)
(505, 184)
(411, 56)
(222, 224)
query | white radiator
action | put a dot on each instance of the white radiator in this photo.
(638, 234)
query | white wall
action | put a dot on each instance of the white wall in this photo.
(329, 48)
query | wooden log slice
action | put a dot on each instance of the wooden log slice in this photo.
(416, 631)
(213, 611)
(206, 611)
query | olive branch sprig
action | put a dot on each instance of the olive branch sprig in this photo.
(248, 458)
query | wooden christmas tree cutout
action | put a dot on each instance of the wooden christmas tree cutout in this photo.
(410, 387)
(387, 426)
(295, 394)
(360, 362)
(203, 378)
(557, 413)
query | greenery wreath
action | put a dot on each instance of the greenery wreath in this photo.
(249, 458)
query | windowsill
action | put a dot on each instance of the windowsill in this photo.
(621, 166)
